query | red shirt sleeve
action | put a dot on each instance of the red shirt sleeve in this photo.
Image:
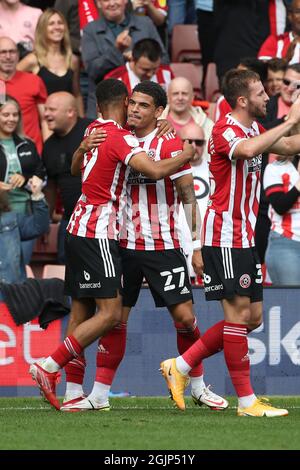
(268, 49)
(171, 148)
(224, 140)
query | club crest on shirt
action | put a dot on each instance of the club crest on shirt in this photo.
(151, 154)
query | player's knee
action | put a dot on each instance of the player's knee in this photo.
(253, 324)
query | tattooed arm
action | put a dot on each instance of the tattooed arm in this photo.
(186, 193)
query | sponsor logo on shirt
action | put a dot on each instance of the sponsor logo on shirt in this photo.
(254, 164)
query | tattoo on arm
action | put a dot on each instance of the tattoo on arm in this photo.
(188, 198)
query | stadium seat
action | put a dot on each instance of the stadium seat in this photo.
(45, 248)
(54, 270)
(29, 272)
(212, 87)
(185, 45)
(192, 72)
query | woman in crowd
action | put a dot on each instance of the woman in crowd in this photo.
(16, 227)
(52, 58)
(282, 186)
(19, 161)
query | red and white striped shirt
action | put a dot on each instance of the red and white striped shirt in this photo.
(104, 176)
(277, 46)
(280, 177)
(234, 187)
(152, 206)
(163, 76)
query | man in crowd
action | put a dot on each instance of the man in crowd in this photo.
(286, 45)
(28, 89)
(232, 268)
(107, 41)
(144, 65)
(180, 112)
(68, 129)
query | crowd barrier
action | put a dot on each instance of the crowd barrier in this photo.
(274, 348)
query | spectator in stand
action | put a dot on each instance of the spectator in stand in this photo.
(206, 31)
(19, 161)
(275, 72)
(287, 45)
(52, 59)
(145, 65)
(18, 22)
(180, 12)
(241, 27)
(180, 111)
(68, 129)
(277, 109)
(282, 186)
(29, 90)
(157, 10)
(16, 227)
(105, 41)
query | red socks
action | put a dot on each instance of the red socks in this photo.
(237, 358)
(75, 370)
(210, 343)
(111, 350)
(69, 349)
(186, 337)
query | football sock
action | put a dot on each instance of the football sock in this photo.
(111, 350)
(75, 370)
(237, 357)
(73, 390)
(69, 349)
(100, 392)
(245, 402)
(210, 343)
(186, 337)
(197, 385)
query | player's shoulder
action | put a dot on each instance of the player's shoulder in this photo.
(225, 126)
(116, 73)
(170, 137)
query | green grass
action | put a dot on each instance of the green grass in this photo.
(144, 423)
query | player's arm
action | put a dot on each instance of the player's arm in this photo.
(160, 169)
(90, 142)
(271, 140)
(186, 192)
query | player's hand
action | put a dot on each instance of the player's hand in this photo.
(17, 180)
(294, 113)
(164, 127)
(123, 40)
(93, 140)
(35, 184)
(197, 262)
(189, 150)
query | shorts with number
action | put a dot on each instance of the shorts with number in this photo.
(232, 271)
(165, 272)
(93, 267)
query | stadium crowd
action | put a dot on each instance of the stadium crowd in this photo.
(51, 62)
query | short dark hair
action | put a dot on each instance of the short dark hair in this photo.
(256, 65)
(276, 64)
(149, 48)
(110, 91)
(152, 89)
(236, 83)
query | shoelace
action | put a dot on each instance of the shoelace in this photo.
(265, 402)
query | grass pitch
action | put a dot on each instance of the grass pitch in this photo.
(145, 423)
